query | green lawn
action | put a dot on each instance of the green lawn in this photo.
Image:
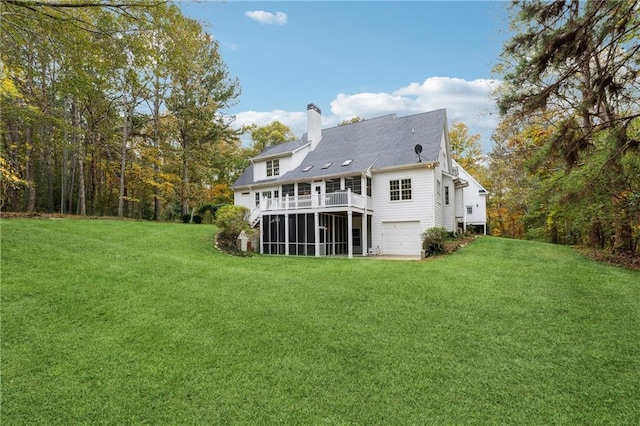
(117, 322)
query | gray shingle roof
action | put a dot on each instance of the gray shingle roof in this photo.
(283, 148)
(382, 142)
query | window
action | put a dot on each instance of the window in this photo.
(446, 195)
(400, 189)
(405, 186)
(257, 199)
(346, 163)
(266, 194)
(354, 183)
(327, 165)
(276, 193)
(332, 185)
(288, 189)
(273, 167)
(369, 187)
(306, 169)
(469, 209)
(304, 188)
(438, 185)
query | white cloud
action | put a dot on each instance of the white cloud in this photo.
(278, 18)
(467, 101)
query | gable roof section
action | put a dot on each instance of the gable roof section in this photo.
(282, 149)
(383, 142)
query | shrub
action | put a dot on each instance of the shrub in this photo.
(197, 219)
(213, 208)
(186, 218)
(231, 222)
(433, 240)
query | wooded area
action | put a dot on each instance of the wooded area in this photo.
(118, 108)
(113, 108)
(565, 166)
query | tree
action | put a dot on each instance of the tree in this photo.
(200, 90)
(574, 64)
(355, 119)
(466, 148)
(274, 133)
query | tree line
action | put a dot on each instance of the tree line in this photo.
(112, 108)
(565, 166)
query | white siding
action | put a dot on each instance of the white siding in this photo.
(438, 199)
(420, 208)
(448, 210)
(459, 208)
(260, 168)
(243, 199)
(474, 195)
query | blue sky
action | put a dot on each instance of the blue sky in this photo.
(359, 58)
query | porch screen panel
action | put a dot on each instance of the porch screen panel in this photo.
(311, 236)
(293, 248)
(281, 234)
(342, 242)
(273, 234)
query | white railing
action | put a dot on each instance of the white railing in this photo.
(317, 201)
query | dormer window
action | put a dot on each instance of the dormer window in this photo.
(327, 165)
(346, 163)
(273, 168)
(306, 169)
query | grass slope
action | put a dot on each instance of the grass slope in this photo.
(107, 322)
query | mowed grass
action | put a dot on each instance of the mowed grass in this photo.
(117, 322)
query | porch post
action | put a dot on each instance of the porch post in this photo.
(261, 234)
(350, 232)
(363, 237)
(316, 225)
(286, 234)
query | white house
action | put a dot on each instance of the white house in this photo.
(472, 206)
(361, 188)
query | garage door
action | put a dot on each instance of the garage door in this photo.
(401, 238)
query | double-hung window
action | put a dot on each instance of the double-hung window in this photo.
(400, 189)
(273, 168)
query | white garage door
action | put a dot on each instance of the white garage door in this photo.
(401, 238)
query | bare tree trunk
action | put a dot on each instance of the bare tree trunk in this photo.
(82, 202)
(31, 181)
(185, 174)
(123, 163)
(156, 142)
(185, 186)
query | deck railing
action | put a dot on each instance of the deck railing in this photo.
(316, 201)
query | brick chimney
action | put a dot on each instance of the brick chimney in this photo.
(314, 125)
